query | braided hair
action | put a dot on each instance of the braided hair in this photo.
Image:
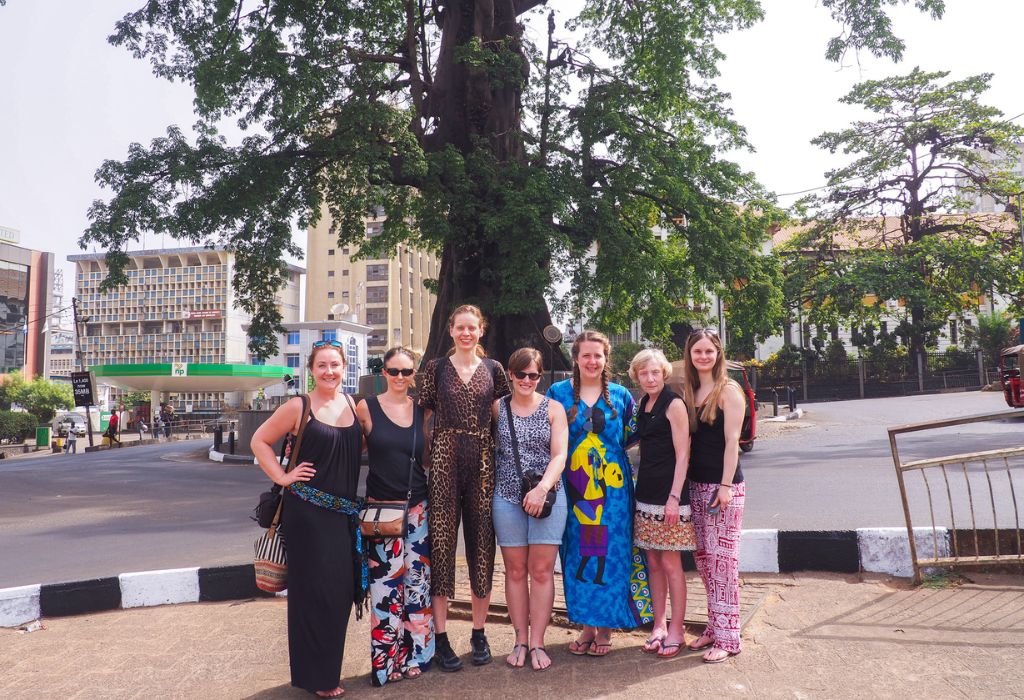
(590, 336)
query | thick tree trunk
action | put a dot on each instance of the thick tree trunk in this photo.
(459, 283)
(472, 110)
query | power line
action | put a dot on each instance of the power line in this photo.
(18, 326)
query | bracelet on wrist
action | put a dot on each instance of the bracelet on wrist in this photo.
(672, 495)
(729, 485)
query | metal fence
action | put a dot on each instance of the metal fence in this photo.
(967, 488)
(864, 379)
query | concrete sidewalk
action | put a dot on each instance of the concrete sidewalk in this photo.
(815, 636)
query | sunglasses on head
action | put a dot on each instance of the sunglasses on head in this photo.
(331, 343)
(594, 420)
(532, 376)
(394, 372)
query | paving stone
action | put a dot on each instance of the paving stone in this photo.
(815, 636)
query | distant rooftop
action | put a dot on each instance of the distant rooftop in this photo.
(154, 252)
(10, 235)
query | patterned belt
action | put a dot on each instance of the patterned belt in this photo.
(344, 506)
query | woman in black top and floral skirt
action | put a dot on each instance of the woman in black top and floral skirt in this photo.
(401, 624)
(662, 526)
(319, 518)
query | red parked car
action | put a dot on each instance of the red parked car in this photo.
(1011, 360)
(738, 373)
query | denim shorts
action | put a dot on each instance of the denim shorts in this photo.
(514, 528)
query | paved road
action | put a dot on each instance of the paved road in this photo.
(88, 515)
(162, 506)
(833, 469)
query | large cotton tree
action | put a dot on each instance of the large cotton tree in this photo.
(894, 223)
(522, 157)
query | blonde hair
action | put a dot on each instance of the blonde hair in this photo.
(590, 337)
(473, 311)
(719, 374)
(647, 356)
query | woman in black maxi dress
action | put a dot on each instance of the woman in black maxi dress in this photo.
(319, 521)
(323, 570)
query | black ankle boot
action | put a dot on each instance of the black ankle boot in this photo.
(444, 655)
(481, 649)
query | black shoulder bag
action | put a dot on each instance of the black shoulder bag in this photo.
(527, 481)
(270, 499)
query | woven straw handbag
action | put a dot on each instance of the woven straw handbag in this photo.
(271, 555)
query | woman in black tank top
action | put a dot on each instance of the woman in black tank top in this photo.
(717, 492)
(320, 519)
(402, 625)
(661, 524)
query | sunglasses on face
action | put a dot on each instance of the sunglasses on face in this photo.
(394, 372)
(594, 420)
(325, 343)
(532, 376)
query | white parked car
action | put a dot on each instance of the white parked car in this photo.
(71, 424)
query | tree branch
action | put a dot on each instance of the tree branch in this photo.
(523, 6)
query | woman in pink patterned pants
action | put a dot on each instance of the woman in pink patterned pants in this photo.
(716, 489)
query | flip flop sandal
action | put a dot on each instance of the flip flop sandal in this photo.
(533, 657)
(595, 645)
(580, 647)
(674, 646)
(696, 645)
(413, 672)
(515, 653)
(721, 658)
(652, 645)
(395, 677)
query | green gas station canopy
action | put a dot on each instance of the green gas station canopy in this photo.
(183, 376)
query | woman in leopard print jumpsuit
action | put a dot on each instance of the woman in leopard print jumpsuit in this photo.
(459, 390)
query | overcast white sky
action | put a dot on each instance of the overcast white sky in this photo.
(69, 100)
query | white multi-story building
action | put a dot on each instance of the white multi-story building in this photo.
(387, 294)
(178, 306)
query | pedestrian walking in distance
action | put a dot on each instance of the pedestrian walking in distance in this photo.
(71, 444)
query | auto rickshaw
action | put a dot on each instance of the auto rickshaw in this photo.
(1010, 362)
(738, 373)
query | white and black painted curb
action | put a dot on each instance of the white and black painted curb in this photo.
(216, 456)
(876, 550)
(131, 590)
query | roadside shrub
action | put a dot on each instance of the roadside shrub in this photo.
(16, 426)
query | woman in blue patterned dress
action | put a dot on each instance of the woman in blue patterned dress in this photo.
(604, 576)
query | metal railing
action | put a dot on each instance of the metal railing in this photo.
(965, 486)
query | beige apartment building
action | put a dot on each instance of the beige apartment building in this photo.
(178, 306)
(386, 294)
